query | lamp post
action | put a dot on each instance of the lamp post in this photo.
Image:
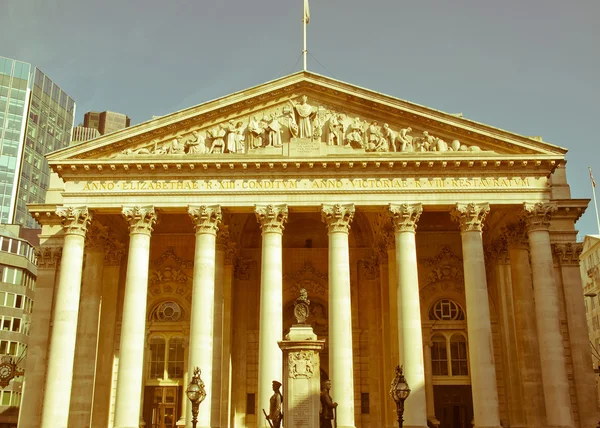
(399, 392)
(196, 394)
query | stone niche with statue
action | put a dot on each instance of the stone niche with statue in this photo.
(297, 128)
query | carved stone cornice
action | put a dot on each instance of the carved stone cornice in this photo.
(140, 219)
(537, 215)
(386, 241)
(337, 217)
(515, 234)
(271, 217)
(497, 251)
(206, 218)
(97, 235)
(231, 253)
(567, 254)
(405, 216)
(75, 220)
(470, 216)
(48, 257)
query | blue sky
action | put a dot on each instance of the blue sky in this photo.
(527, 66)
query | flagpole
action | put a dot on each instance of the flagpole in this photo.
(304, 51)
(595, 202)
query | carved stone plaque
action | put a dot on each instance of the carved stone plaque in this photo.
(304, 147)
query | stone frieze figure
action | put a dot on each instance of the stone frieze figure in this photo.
(256, 130)
(336, 130)
(390, 137)
(355, 136)
(218, 142)
(273, 131)
(231, 140)
(196, 144)
(406, 144)
(305, 115)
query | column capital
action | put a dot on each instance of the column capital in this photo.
(113, 252)
(567, 253)
(223, 238)
(75, 220)
(97, 235)
(405, 216)
(140, 219)
(48, 257)
(271, 217)
(470, 216)
(337, 217)
(515, 234)
(206, 218)
(537, 215)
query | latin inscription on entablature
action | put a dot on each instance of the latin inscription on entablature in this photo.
(292, 185)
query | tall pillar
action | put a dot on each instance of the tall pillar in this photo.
(206, 220)
(429, 382)
(404, 219)
(528, 353)
(585, 385)
(270, 359)
(554, 373)
(481, 353)
(133, 328)
(35, 365)
(59, 374)
(341, 369)
(84, 369)
(113, 253)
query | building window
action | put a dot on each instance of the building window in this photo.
(439, 356)
(449, 355)
(446, 310)
(167, 311)
(163, 364)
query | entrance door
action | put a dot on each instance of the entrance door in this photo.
(453, 405)
(164, 407)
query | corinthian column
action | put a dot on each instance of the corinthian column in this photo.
(341, 370)
(481, 354)
(59, 375)
(206, 220)
(133, 329)
(554, 373)
(270, 359)
(405, 218)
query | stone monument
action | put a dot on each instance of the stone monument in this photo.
(301, 368)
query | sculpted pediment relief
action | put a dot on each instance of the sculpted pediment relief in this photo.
(301, 115)
(298, 128)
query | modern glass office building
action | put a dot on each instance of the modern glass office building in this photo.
(36, 117)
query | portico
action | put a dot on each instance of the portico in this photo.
(399, 252)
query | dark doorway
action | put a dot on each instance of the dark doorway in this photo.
(453, 405)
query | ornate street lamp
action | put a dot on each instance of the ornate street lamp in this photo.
(399, 392)
(196, 393)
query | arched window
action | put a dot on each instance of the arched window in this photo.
(157, 358)
(446, 310)
(167, 312)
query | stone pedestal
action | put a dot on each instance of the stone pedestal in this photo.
(301, 381)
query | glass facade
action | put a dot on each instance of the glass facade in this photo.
(36, 118)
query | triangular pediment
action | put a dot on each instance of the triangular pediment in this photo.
(304, 115)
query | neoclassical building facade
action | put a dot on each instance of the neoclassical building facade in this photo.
(422, 239)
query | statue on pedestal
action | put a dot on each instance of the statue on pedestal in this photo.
(327, 406)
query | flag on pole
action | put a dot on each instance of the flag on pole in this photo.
(306, 12)
(592, 177)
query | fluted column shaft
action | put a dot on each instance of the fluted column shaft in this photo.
(481, 355)
(59, 375)
(554, 373)
(270, 357)
(341, 369)
(206, 220)
(133, 329)
(404, 219)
